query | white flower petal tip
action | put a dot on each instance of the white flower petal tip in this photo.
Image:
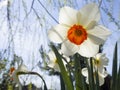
(94, 15)
(88, 49)
(100, 76)
(69, 49)
(78, 31)
(53, 60)
(84, 72)
(23, 68)
(65, 16)
(99, 34)
(101, 60)
(54, 36)
(101, 80)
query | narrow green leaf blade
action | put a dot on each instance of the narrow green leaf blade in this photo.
(78, 75)
(118, 79)
(64, 73)
(114, 70)
(91, 76)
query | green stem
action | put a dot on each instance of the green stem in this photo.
(78, 79)
(114, 69)
(64, 73)
(90, 74)
(62, 83)
(34, 73)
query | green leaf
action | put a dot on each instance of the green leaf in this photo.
(91, 76)
(30, 86)
(34, 73)
(62, 83)
(10, 87)
(114, 70)
(97, 80)
(64, 73)
(118, 79)
(78, 75)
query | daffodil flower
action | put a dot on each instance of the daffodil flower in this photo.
(100, 61)
(14, 74)
(53, 61)
(78, 31)
(101, 76)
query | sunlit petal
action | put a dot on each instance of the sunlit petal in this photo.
(54, 36)
(51, 55)
(104, 73)
(101, 80)
(58, 33)
(68, 48)
(53, 60)
(89, 13)
(67, 16)
(23, 68)
(88, 49)
(99, 34)
(85, 72)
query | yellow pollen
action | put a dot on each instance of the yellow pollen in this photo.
(55, 61)
(97, 62)
(77, 34)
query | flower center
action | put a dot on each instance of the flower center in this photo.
(12, 69)
(55, 61)
(97, 62)
(77, 34)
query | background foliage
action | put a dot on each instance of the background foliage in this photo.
(24, 25)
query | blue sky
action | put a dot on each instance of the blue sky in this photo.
(30, 32)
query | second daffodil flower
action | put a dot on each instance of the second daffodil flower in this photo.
(78, 31)
(53, 61)
(100, 62)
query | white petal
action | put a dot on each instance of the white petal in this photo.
(99, 55)
(58, 33)
(101, 69)
(51, 65)
(99, 34)
(89, 13)
(52, 56)
(53, 36)
(85, 72)
(101, 80)
(62, 30)
(88, 49)
(68, 16)
(104, 73)
(87, 80)
(23, 68)
(104, 60)
(69, 49)
(95, 39)
(56, 67)
(91, 25)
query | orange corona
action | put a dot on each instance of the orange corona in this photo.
(12, 69)
(77, 34)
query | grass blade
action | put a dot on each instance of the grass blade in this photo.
(64, 73)
(78, 75)
(118, 78)
(91, 76)
(114, 70)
